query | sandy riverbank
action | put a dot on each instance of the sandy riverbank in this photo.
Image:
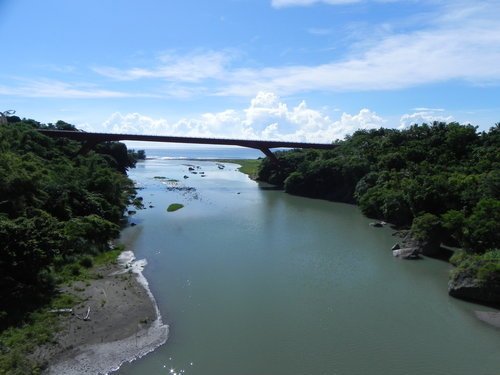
(124, 322)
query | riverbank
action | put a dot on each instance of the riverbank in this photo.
(117, 321)
(249, 167)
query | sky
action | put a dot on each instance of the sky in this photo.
(298, 70)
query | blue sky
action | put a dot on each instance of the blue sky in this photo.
(274, 69)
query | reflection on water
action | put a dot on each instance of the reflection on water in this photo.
(254, 281)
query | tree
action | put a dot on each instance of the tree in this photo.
(482, 227)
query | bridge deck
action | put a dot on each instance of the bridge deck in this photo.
(103, 137)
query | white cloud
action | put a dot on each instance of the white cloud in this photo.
(460, 41)
(267, 117)
(192, 67)
(291, 3)
(426, 116)
(425, 109)
(45, 88)
(467, 51)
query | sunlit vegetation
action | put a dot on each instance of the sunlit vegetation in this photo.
(247, 166)
(442, 181)
(59, 210)
(174, 207)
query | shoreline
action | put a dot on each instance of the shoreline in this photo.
(124, 322)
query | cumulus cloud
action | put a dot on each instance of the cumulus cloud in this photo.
(266, 117)
(427, 116)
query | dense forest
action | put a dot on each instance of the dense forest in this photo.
(58, 208)
(440, 181)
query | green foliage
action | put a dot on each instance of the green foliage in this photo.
(108, 256)
(427, 227)
(117, 155)
(56, 209)
(247, 166)
(453, 223)
(137, 155)
(448, 170)
(482, 227)
(17, 342)
(86, 262)
(442, 180)
(483, 267)
(174, 207)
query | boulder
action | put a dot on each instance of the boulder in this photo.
(407, 253)
(465, 286)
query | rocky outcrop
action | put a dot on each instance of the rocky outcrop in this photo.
(407, 253)
(426, 248)
(465, 286)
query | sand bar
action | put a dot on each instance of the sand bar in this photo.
(124, 322)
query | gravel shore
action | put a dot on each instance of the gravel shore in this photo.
(123, 324)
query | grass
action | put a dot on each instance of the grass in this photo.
(16, 343)
(38, 328)
(485, 268)
(247, 166)
(174, 207)
(108, 256)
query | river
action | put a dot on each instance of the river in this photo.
(254, 281)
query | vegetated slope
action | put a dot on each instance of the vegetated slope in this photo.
(56, 207)
(442, 180)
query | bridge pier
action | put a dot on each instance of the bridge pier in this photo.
(270, 155)
(87, 146)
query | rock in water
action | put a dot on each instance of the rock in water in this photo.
(407, 253)
(465, 286)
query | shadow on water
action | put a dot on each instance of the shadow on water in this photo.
(444, 254)
(265, 186)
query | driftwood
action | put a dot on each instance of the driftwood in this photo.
(59, 311)
(88, 314)
(86, 317)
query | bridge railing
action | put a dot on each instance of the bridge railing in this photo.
(257, 144)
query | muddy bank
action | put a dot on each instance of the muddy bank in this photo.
(123, 323)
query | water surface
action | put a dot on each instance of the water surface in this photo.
(255, 281)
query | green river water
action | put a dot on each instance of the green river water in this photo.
(255, 281)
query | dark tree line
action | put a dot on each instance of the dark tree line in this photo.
(441, 180)
(56, 207)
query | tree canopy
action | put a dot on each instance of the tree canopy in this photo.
(56, 206)
(441, 179)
